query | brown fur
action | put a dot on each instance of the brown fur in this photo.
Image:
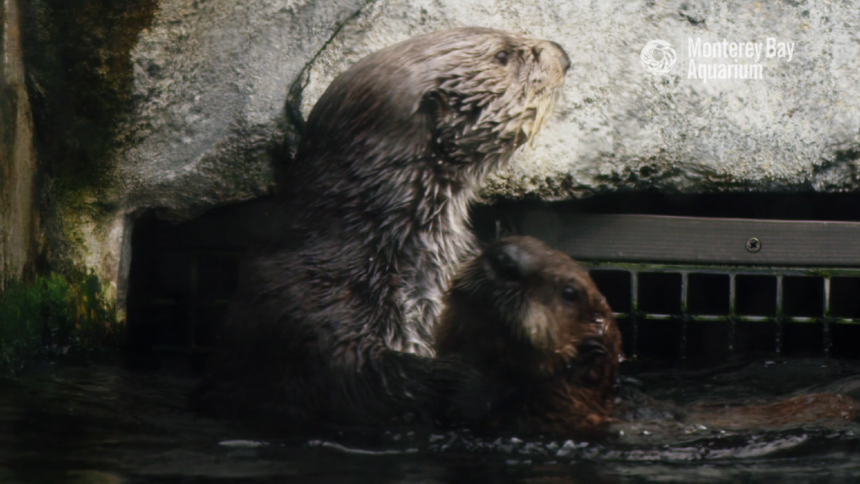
(816, 408)
(549, 362)
(548, 365)
(333, 323)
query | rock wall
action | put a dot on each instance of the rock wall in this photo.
(622, 127)
(202, 92)
(18, 212)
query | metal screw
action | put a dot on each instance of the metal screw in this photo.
(753, 245)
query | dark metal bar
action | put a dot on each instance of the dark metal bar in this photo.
(779, 314)
(818, 271)
(685, 245)
(733, 295)
(682, 350)
(825, 321)
(708, 240)
(733, 302)
(684, 291)
(634, 309)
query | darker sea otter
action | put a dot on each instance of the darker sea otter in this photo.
(335, 323)
(547, 352)
(541, 335)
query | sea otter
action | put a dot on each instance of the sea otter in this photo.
(547, 352)
(541, 335)
(334, 323)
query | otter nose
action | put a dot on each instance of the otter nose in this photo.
(551, 50)
(511, 262)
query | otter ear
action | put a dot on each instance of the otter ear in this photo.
(510, 263)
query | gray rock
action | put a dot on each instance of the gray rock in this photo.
(212, 80)
(622, 127)
(210, 84)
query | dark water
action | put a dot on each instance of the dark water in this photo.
(103, 424)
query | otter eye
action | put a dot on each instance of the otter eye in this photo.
(502, 58)
(505, 267)
(569, 294)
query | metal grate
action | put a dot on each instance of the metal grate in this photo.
(183, 275)
(794, 308)
(683, 288)
(693, 288)
(194, 291)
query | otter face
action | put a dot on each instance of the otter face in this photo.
(463, 97)
(533, 301)
(495, 97)
(558, 305)
(540, 334)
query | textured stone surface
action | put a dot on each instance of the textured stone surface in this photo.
(211, 83)
(18, 214)
(621, 127)
(212, 80)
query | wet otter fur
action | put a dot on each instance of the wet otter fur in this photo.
(535, 326)
(334, 323)
(806, 409)
(547, 352)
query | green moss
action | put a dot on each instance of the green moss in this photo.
(54, 316)
(80, 79)
(80, 75)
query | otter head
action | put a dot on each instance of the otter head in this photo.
(523, 308)
(456, 103)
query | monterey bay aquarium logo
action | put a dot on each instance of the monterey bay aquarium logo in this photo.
(657, 57)
(716, 60)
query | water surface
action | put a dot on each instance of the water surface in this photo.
(104, 424)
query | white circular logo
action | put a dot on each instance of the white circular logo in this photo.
(657, 57)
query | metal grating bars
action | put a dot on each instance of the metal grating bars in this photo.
(779, 296)
(690, 288)
(682, 288)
